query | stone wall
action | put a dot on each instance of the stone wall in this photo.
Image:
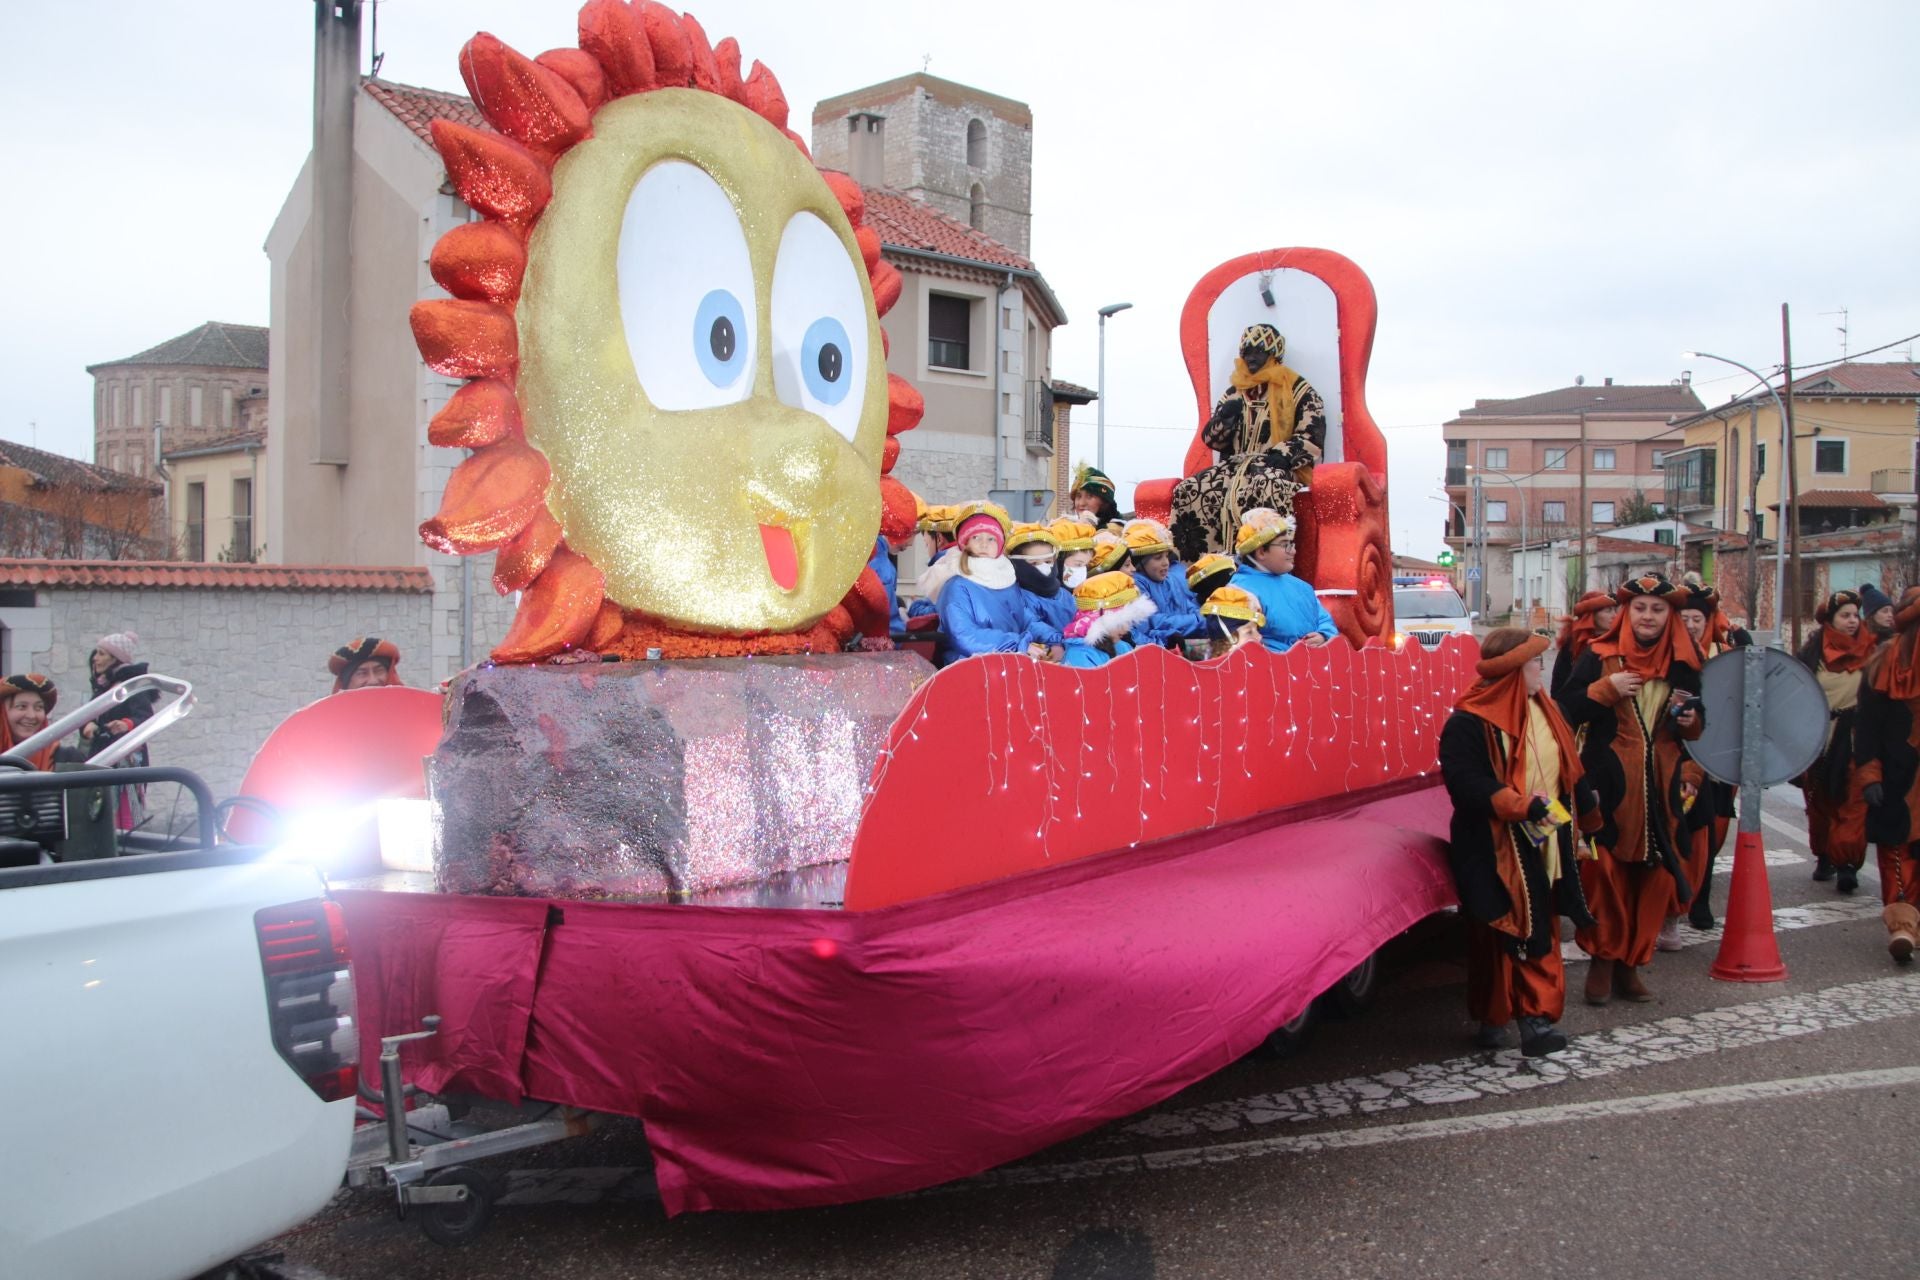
(253, 656)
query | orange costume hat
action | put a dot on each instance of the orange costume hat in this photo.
(1500, 696)
(11, 688)
(1899, 673)
(1650, 662)
(361, 649)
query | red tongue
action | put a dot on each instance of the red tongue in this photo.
(782, 561)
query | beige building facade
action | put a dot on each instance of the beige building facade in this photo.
(213, 489)
(1529, 458)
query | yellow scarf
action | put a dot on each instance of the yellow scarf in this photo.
(1283, 400)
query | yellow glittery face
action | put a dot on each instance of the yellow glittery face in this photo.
(701, 365)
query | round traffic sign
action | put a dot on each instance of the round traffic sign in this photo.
(1793, 716)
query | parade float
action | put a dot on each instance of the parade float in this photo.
(700, 850)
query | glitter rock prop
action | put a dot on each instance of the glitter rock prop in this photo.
(654, 780)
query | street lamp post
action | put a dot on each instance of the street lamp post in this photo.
(1526, 586)
(1786, 447)
(1100, 430)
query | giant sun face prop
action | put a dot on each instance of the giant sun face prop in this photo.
(679, 404)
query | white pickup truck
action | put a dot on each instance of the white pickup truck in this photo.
(179, 1059)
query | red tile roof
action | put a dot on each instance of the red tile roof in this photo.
(1867, 378)
(906, 223)
(416, 107)
(177, 574)
(56, 470)
(1838, 499)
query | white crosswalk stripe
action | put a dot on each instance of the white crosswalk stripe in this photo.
(1590, 1056)
(1456, 1126)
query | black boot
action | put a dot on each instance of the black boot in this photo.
(1489, 1036)
(1538, 1038)
(1847, 880)
(1823, 868)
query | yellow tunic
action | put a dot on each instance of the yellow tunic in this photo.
(1543, 774)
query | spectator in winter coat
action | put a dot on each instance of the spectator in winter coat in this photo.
(1294, 614)
(111, 663)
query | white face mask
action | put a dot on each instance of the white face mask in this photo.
(1074, 576)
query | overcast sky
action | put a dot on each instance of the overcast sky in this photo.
(1537, 191)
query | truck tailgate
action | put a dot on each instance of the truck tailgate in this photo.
(151, 1129)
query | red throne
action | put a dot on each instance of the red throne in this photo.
(1343, 547)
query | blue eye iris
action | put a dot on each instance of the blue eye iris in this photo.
(717, 327)
(823, 361)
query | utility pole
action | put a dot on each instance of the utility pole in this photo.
(1753, 507)
(1585, 511)
(1479, 548)
(1790, 507)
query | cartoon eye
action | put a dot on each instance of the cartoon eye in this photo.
(819, 325)
(685, 283)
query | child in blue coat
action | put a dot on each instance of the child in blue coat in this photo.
(1294, 614)
(1176, 613)
(982, 609)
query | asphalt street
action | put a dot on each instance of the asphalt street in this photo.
(1726, 1129)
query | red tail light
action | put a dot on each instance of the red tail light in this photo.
(310, 999)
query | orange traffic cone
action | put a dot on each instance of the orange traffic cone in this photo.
(1748, 950)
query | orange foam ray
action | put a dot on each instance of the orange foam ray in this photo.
(889, 454)
(579, 69)
(481, 413)
(899, 511)
(706, 73)
(489, 499)
(726, 62)
(613, 34)
(556, 612)
(764, 97)
(522, 99)
(480, 261)
(905, 405)
(869, 241)
(606, 626)
(887, 284)
(494, 174)
(672, 51)
(462, 339)
(866, 604)
(527, 556)
(853, 201)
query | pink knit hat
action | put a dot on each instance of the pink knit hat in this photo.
(120, 646)
(985, 522)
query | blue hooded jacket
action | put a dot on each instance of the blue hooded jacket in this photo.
(1178, 616)
(1293, 611)
(979, 619)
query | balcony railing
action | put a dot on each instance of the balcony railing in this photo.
(1893, 480)
(240, 551)
(1457, 476)
(1039, 416)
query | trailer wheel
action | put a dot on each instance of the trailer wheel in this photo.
(461, 1221)
(1290, 1038)
(1353, 993)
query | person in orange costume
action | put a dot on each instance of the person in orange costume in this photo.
(1636, 693)
(1836, 653)
(1887, 779)
(1507, 755)
(26, 701)
(1592, 617)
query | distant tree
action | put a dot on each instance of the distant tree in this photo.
(1636, 508)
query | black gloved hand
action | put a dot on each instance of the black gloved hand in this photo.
(1537, 811)
(1876, 795)
(1227, 412)
(1586, 796)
